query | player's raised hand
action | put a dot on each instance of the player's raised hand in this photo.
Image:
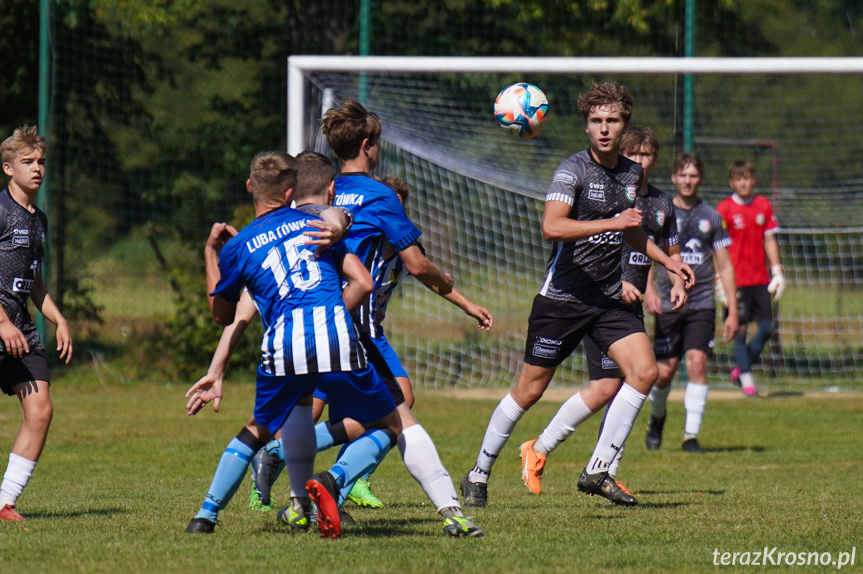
(220, 234)
(14, 340)
(630, 293)
(207, 389)
(482, 315)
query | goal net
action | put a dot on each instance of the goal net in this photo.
(478, 195)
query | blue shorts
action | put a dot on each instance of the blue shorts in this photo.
(390, 357)
(386, 366)
(362, 396)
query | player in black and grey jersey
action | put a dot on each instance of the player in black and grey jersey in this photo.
(23, 368)
(689, 331)
(589, 213)
(659, 223)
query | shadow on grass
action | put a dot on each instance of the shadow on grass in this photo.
(735, 449)
(371, 528)
(781, 394)
(663, 505)
(79, 513)
(710, 492)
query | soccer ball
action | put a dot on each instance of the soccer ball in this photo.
(521, 110)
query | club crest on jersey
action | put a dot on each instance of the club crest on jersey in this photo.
(630, 193)
(660, 218)
(759, 219)
(704, 226)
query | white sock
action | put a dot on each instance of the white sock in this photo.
(658, 398)
(423, 463)
(747, 380)
(503, 420)
(615, 464)
(694, 400)
(618, 422)
(299, 445)
(570, 414)
(17, 476)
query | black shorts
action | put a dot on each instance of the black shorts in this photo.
(684, 330)
(555, 328)
(31, 367)
(754, 304)
(599, 365)
(379, 362)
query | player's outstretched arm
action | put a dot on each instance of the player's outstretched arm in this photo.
(558, 226)
(482, 315)
(427, 272)
(360, 283)
(45, 304)
(722, 261)
(209, 387)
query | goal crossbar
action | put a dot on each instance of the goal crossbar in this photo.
(298, 66)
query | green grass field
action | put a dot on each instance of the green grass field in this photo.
(125, 470)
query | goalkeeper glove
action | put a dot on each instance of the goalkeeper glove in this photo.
(777, 284)
(720, 291)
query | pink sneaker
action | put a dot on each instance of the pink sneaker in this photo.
(750, 392)
(735, 377)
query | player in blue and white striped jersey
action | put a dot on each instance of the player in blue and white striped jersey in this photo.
(309, 341)
(353, 133)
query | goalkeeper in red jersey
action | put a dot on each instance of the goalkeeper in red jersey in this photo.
(752, 227)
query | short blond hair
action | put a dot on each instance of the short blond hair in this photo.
(24, 139)
(272, 173)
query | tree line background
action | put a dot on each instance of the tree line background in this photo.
(156, 108)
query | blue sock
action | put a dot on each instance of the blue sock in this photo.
(229, 475)
(362, 455)
(275, 448)
(324, 437)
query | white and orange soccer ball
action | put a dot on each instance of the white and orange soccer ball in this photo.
(521, 110)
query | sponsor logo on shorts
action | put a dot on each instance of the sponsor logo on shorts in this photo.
(545, 351)
(545, 341)
(710, 343)
(608, 364)
(636, 258)
(21, 285)
(662, 345)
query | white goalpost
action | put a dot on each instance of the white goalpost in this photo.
(477, 195)
(299, 66)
